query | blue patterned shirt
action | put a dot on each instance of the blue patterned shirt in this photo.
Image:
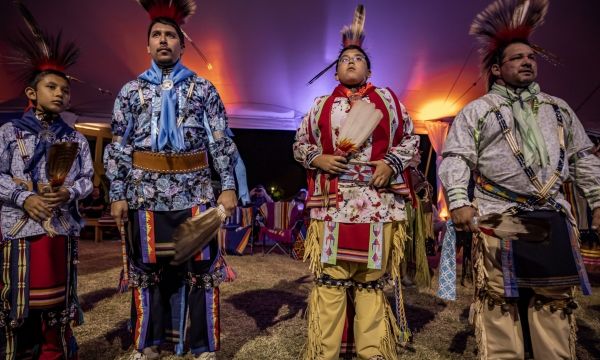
(78, 181)
(204, 124)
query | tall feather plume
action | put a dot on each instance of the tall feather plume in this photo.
(202, 56)
(36, 51)
(316, 77)
(178, 10)
(520, 13)
(64, 55)
(354, 34)
(505, 21)
(546, 55)
(34, 28)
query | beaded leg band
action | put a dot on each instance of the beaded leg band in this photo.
(328, 281)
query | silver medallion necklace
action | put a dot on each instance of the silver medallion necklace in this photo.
(45, 134)
(167, 84)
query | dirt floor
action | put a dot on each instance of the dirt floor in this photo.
(262, 312)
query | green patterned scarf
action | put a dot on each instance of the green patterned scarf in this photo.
(534, 146)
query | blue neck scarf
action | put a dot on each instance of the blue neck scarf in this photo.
(168, 133)
(30, 123)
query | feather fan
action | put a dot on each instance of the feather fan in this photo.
(196, 232)
(60, 160)
(360, 123)
(513, 227)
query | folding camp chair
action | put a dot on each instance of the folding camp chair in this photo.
(280, 225)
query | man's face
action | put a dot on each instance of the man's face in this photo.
(352, 68)
(518, 67)
(52, 94)
(164, 45)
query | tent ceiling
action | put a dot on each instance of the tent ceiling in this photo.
(264, 52)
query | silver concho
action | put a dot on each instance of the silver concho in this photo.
(47, 136)
(167, 84)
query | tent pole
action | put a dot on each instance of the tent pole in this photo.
(428, 160)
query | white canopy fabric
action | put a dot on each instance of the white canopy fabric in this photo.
(265, 51)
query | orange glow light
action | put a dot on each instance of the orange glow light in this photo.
(437, 109)
(444, 214)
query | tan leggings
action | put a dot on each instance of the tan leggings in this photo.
(369, 321)
(500, 335)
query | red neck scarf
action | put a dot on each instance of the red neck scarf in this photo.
(360, 93)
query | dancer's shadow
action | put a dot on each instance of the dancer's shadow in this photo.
(458, 345)
(595, 308)
(101, 347)
(594, 278)
(459, 342)
(418, 317)
(122, 333)
(587, 338)
(264, 305)
(89, 300)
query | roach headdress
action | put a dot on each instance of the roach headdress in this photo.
(178, 11)
(507, 21)
(36, 51)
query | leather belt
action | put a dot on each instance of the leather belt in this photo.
(170, 163)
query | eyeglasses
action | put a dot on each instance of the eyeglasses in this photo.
(354, 59)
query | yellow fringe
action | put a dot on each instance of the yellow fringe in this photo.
(312, 248)
(428, 225)
(398, 242)
(389, 343)
(422, 276)
(480, 335)
(478, 267)
(572, 337)
(477, 306)
(409, 248)
(572, 331)
(313, 349)
(405, 335)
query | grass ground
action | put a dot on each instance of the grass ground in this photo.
(262, 312)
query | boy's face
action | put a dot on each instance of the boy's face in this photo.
(352, 69)
(52, 94)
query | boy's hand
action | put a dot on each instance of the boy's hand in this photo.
(55, 199)
(36, 208)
